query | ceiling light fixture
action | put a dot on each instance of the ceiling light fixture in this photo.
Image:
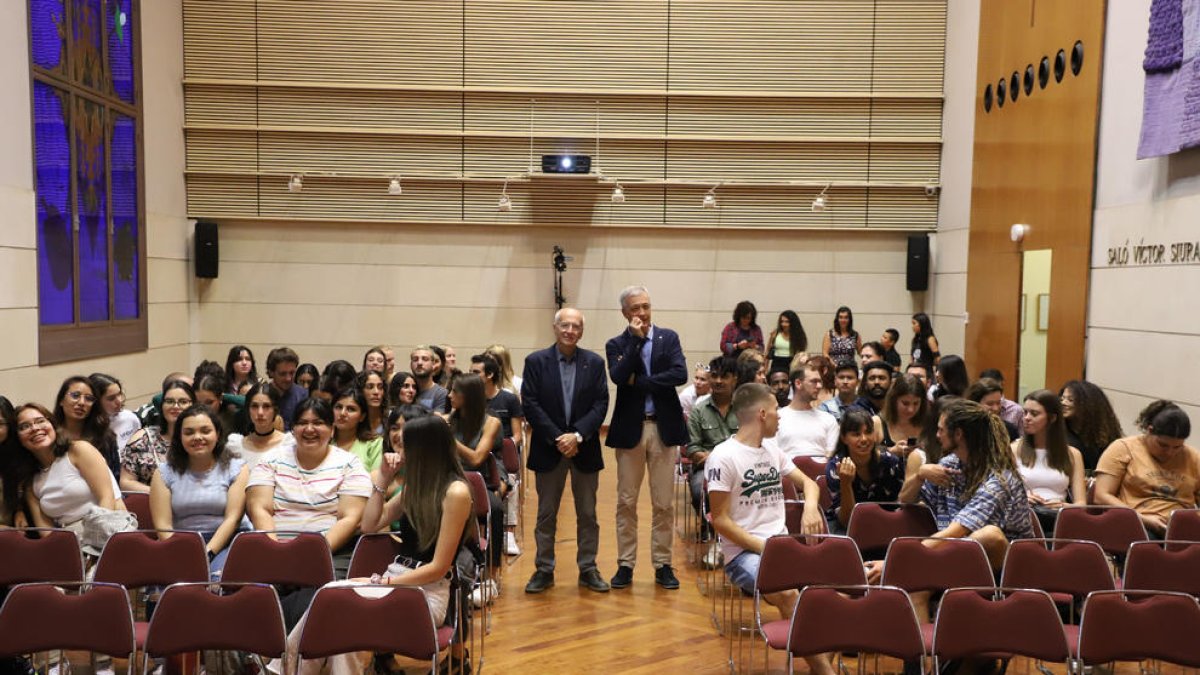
(618, 195)
(394, 186)
(295, 183)
(710, 198)
(505, 204)
(820, 201)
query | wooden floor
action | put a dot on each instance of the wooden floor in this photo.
(640, 629)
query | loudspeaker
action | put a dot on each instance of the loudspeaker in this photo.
(918, 262)
(207, 249)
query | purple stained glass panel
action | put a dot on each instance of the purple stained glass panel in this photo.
(52, 166)
(126, 230)
(91, 203)
(87, 26)
(120, 47)
(47, 27)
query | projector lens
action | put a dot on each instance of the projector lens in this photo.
(566, 162)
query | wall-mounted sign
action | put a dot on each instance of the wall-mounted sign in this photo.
(1142, 253)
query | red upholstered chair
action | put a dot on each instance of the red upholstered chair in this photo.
(967, 621)
(813, 467)
(138, 503)
(913, 566)
(192, 617)
(483, 573)
(826, 496)
(373, 553)
(375, 625)
(1068, 571)
(865, 619)
(50, 555)
(1184, 525)
(303, 560)
(1113, 527)
(1139, 625)
(511, 458)
(1163, 566)
(873, 525)
(47, 616)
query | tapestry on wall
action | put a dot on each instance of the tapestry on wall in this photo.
(1171, 107)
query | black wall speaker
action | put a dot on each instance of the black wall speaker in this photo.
(918, 262)
(207, 249)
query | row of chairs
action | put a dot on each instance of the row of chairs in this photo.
(1067, 571)
(138, 559)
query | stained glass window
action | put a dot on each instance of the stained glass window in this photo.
(91, 251)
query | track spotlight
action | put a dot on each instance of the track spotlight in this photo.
(820, 202)
(710, 198)
(505, 204)
(618, 195)
(394, 186)
(295, 183)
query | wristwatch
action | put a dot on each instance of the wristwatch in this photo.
(579, 438)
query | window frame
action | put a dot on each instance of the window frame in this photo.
(59, 343)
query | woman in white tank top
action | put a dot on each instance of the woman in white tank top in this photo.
(1051, 469)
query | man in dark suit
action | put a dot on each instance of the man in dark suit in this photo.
(646, 363)
(565, 397)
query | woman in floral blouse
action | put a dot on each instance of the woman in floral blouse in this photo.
(148, 448)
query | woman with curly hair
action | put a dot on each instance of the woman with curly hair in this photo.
(1092, 425)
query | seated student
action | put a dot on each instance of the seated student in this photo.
(746, 512)
(1051, 469)
(200, 487)
(1154, 473)
(846, 388)
(974, 491)
(71, 477)
(14, 470)
(112, 398)
(432, 514)
(712, 422)
(77, 411)
(858, 471)
(374, 389)
(506, 407)
(262, 406)
(904, 416)
(392, 461)
(402, 390)
(1010, 411)
(1092, 425)
(804, 430)
(352, 428)
(148, 448)
(989, 393)
(699, 388)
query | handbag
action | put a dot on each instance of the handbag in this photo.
(100, 523)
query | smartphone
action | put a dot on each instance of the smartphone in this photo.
(912, 442)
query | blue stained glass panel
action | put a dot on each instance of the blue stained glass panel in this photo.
(91, 190)
(52, 166)
(120, 47)
(47, 28)
(126, 228)
(87, 58)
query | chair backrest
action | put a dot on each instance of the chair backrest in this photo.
(373, 553)
(1071, 566)
(1163, 566)
(870, 619)
(1139, 625)
(873, 525)
(796, 561)
(138, 503)
(133, 559)
(1113, 527)
(826, 496)
(41, 617)
(1038, 531)
(479, 493)
(793, 514)
(968, 618)
(789, 490)
(811, 466)
(53, 555)
(304, 560)
(1184, 525)
(508, 452)
(913, 566)
(377, 612)
(192, 617)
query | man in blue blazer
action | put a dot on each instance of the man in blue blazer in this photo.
(565, 397)
(646, 363)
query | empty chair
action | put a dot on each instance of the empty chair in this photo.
(1113, 527)
(873, 525)
(1163, 566)
(192, 617)
(1068, 571)
(920, 570)
(1184, 525)
(52, 555)
(46, 616)
(377, 612)
(867, 619)
(1139, 625)
(303, 560)
(968, 618)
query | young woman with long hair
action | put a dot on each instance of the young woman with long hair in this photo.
(200, 487)
(402, 390)
(16, 468)
(842, 343)
(952, 378)
(148, 447)
(904, 416)
(374, 360)
(123, 423)
(1052, 469)
(76, 412)
(307, 376)
(477, 437)
(858, 471)
(374, 388)
(263, 437)
(508, 380)
(1092, 425)
(241, 372)
(924, 343)
(351, 429)
(786, 340)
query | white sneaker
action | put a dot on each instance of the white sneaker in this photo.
(713, 558)
(510, 544)
(493, 592)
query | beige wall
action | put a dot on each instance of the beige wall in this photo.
(1143, 321)
(168, 272)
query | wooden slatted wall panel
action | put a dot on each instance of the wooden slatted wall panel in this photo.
(770, 98)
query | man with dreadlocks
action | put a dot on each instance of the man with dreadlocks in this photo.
(976, 490)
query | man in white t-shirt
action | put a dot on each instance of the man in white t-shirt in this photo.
(745, 488)
(805, 431)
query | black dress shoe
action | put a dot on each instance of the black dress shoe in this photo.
(539, 582)
(665, 577)
(593, 581)
(623, 578)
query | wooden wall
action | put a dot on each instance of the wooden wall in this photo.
(1035, 164)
